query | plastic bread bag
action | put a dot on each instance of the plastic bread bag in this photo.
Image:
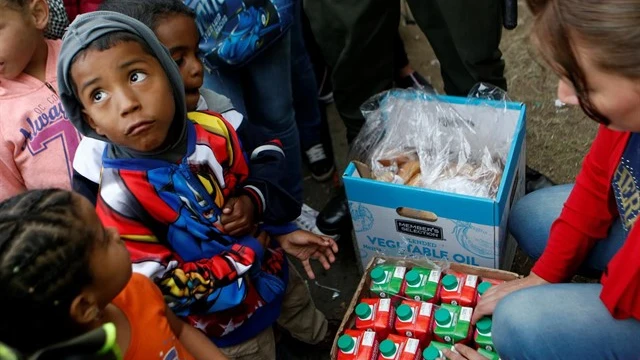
(457, 146)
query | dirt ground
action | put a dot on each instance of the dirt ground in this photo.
(557, 139)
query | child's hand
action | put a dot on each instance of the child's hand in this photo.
(306, 245)
(237, 216)
(463, 352)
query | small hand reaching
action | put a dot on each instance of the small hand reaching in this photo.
(305, 245)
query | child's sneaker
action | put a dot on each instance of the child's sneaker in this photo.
(307, 221)
(320, 165)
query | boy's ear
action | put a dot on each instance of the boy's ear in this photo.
(84, 308)
(91, 123)
(40, 13)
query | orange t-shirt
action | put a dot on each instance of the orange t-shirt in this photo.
(151, 335)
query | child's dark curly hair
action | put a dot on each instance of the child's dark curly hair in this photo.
(148, 12)
(45, 250)
(14, 4)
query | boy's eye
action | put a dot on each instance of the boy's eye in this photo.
(98, 96)
(179, 61)
(137, 76)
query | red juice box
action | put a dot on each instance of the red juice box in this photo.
(398, 347)
(386, 280)
(422, 285)
(485, 285)
(415, 320)
(453, 324)
(357, 345)
(375, 315)
(459, 289)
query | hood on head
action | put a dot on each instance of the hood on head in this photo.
(89, 27)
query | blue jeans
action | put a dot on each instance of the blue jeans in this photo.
(305, 87)
(261, 91)
(560, 321)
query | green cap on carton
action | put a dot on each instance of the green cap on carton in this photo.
(443, 317)
(483, 287)
(363, 310)
(431, 353)
(484, 325)
(387, 348)
(404, 312)
(377, 274)
(450, 282)
(346, 343)
(413, 278)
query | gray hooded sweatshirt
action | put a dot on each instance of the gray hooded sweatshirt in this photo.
(81, 33)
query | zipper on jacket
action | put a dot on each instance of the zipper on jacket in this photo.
(51, 88)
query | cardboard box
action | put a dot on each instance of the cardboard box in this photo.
(362, 291)
(388, 219)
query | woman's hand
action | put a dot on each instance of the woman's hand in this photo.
(490, 299)
(463, 353)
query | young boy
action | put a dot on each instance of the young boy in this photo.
(165, 180)
(37, 141)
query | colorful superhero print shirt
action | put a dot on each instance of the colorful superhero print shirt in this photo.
(169, 216)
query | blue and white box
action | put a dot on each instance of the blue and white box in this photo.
(462, 229)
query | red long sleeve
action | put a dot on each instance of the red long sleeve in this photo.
(588, 212)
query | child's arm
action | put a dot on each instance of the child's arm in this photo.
(198, 345)
(11, 182)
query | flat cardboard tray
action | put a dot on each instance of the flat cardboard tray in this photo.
(362, 290)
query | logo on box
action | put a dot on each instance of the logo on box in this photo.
(418, 229)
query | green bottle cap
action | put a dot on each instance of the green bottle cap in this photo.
(377, 274)
(450, 282)
(443, 317)
(404, 312)
(413, 278)
(431, 353)
(363, 310)
(346, 343)
(387, 348)
(484, 325)
(483, 287)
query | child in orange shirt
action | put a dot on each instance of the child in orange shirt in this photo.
(62, 273)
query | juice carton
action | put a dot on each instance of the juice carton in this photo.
(459, 289)
(434, 351)
(398, 347)
(357, 345)
(482, 335)
(485, 285)
(415, 320)
(452, 324)
(375, 315)
(386, 280)
(422, 285)
(489, 354)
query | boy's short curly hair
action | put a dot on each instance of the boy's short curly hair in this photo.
(148, 12)
(15, 4)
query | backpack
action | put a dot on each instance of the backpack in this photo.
(232, 32)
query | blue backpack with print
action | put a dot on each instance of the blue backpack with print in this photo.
(232, 32)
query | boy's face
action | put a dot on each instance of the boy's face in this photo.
(20, 30)
(180, 35)
(126, 95)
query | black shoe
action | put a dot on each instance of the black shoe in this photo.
(536, 181)
(414, 80)
(335, 218)
(320, 165)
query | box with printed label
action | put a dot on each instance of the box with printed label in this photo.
(412, 222)
(364, 290)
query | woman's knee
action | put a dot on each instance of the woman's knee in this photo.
(515, 323)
